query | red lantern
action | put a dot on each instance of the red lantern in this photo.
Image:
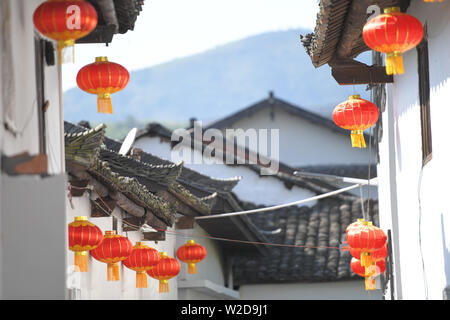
(369, 273)
(142, 258)
(380, 267)
(357, 115)
(65, 21)
(166, 269)
(367, 238)
(355, 224)
(103, 78)
(83, 236)
(376, 255)
(393, 33)
(191, 253)
(113, 249)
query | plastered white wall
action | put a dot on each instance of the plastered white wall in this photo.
(423, 213)
(304, 143)
(18, 81)
(342, 290)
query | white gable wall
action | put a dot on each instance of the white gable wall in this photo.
(304, 143)
(253, 188)
(420, 215)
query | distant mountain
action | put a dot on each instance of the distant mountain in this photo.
(217, 82)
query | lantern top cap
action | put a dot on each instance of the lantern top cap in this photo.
(110, 232)
(81, 218)
(101, 59)
(140, 244)
(354, 96)
(391, 9)
(190, 242)
(163, 254)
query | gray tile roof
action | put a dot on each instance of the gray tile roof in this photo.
(322, 225)
(130, 176)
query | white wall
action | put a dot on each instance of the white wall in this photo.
(422, 224)
(342, 290)
(18, 107)
(265, 190)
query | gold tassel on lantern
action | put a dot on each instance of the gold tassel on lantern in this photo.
(113, 272)
(366, 259)
(394, 63)
(141, 279)
(163, 286)
(192, 269)
(66, 51)
(104, 103)
(357, 137)
(369, 279)
(81, 261)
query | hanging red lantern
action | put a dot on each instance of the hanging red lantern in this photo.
(355, 224)
(83, 237)
(367, 238)
(113, 249)
(369, 273)
(142, 258)
(103, 78)
(380, 267)
(393, 33)
(166, 269)
(65, 21)
(191, 253)
(376, 255)
(357, 115)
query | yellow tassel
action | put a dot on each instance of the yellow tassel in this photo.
(141, 279)
(81, 261)
(104, 103)
(366, 259)
(63, 46)
(357, 137)
(370, 283)
(394, 63)
(192, 269)
(163, 286)
(113, 272)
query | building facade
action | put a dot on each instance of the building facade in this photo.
(410, 136)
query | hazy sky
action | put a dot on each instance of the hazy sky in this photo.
(170, 29)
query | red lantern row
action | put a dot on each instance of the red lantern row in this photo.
(369, 250)
(112, 248)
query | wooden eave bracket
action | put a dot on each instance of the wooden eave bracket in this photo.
(185, 222)
(352, 72)
(24, 163)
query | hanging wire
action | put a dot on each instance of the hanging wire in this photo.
(175, 233)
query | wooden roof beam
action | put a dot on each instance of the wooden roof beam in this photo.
(352, 72)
